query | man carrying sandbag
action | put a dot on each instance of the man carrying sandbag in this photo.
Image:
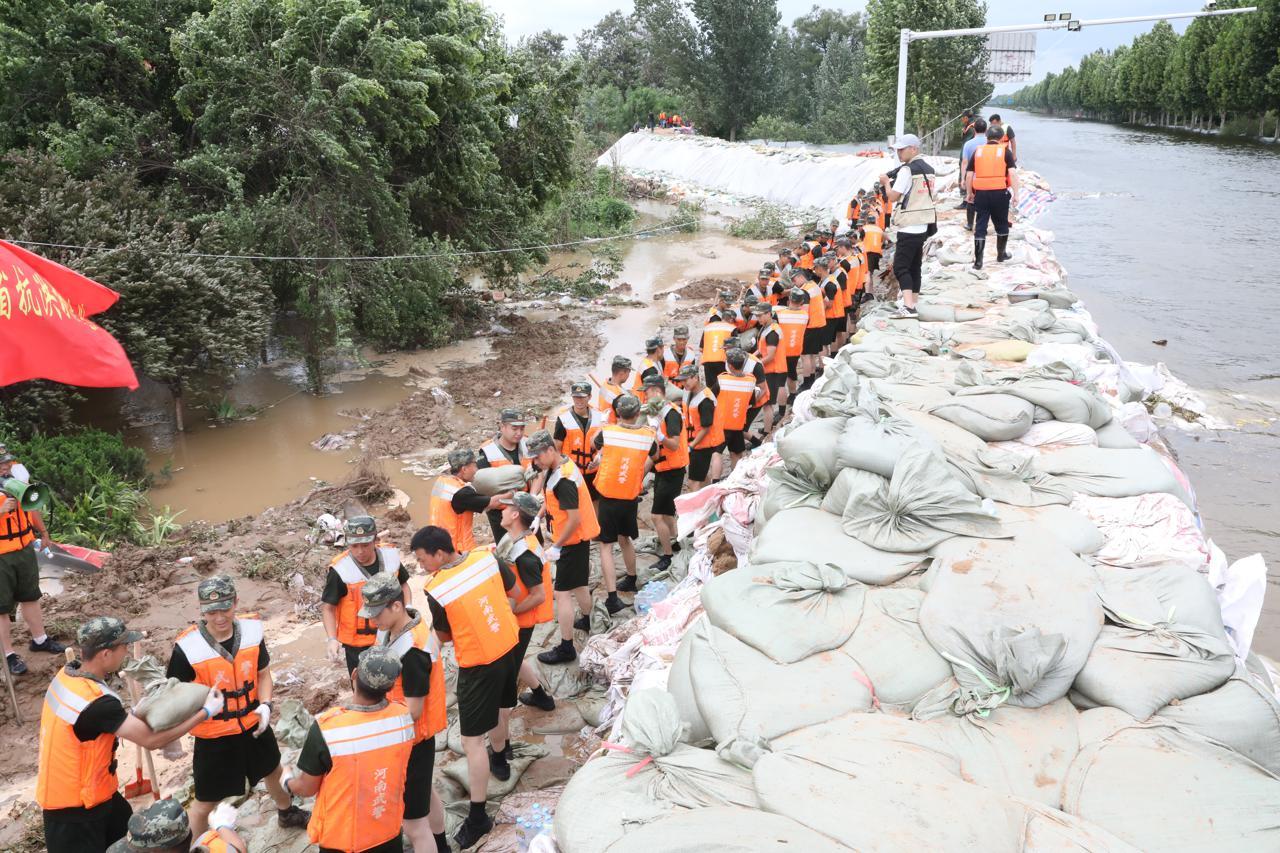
(347, 633)
(163, 828)
(575, 429)
(506, 449)
(355, 761)
(455, 501)
(706, 437)
(420, 687)
(80, 730)
(230, 653)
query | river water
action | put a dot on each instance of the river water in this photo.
(1172, 236)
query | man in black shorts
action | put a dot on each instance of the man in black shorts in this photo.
(532, 601)
(668, 469)
(771, 356)
(705, 438)
(238, 745)
(626, 452)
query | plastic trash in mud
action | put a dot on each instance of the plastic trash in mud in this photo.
(649, 595)
(535, 826)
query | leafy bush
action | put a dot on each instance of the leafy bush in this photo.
(687, 217)
(766, 223)
(72, 464)
(772, 128)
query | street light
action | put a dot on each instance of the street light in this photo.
(1073, 26)
(1049, 17)
(1064, 16)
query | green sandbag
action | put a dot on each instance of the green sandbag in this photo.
(495, 481)
(169, 703)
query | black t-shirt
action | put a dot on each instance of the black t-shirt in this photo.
(440, 619)
(335, 589)
(182, 670)
(415, 673)
(830, 288)
(1009, 160)
(706, 411)
(771, 337)
(757, 371)
(672, 423)
(566, 492)
(315, 760)
(467, 499)
(529, 567)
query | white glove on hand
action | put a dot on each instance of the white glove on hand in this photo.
(264, 719)
(223, 817)
(552, 554)
(214, 704)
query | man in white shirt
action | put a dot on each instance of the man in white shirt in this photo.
(909, 252)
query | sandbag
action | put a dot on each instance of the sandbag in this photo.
(1243, 714)
(818, 537)
(1071, 528)
(889, 647)
(170, 702)
(724, 829)
(991, 417)
(788, 611)
(1113, 436)
(1111, 473)
(917, 397)
(615, 793)
(848, 482)
(1161, 789)
(495, 481)
(524, 754)
(876, 446)
(809, 450)
(1017, 618)
(1010, 350)
(931, 312)
(785, 490)
(922, 505)
(680, 686)
(1064, 401)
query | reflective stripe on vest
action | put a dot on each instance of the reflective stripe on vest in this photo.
(792, 322)
(360, 803)
(237, 679)
(475, 601)
(777, 360)
(637, 385)
(621, 473)
(577, 442)
(497, 456)
(441, 514)
(817, 311)
(990, 171)
(73, 774)
(353, 630)
(672, 362)
(713, 337)
(423, 637)
(715, 433)
(545, 611)
(588, 525)
(734, 400)
(672, 460)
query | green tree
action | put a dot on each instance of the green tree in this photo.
(735, 40)
(801, 50)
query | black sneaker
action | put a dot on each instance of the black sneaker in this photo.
(563, 653)
(16, 665)
(662, 565)
(627, 584)
(613, 604)
(472, 831)
(293, 817)
(49, 645)
(498, 766)
(582, 623)
(540, 699)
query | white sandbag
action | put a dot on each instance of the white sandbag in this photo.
(1150, 530)
(1113, 436)
(170, 702)
(889, 647)
(876, 446)
(818, 537)
(922, 505)
(1161, 789)
(784, 490)
(848, 482)
(1111, 473)
(931, 312)
(613, 794)
(1016, 617)
(1059, 432)
(495, 481)
(788, 611)
(680, 686)
(991, 417)
(917, 397)
(724, 829)
(1071, 528)
(748, 699)
(1242, 714)
(809, 450)
(1064, 401)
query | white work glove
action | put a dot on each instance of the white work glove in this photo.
(223, 817)
(285, 775)
(552, 553)
(334, 650)
(214, 704)
(264, 719)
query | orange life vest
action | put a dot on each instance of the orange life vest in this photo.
(990, 171)
(793, 322)
(734, 400)
(749, 368)
(213, 842)
(16, 531)
(546, 611)
(805, 261)
(621, 474)
(588, 525)
(360, 803)
(73, 774)
(420, 635)
(671, 460)
(236, 677)
(577, 444)
(637, 384)
(873, 238)
(713, 337)
(694, 424)
(609, 392)
(497, 458)
(777, 360)
(352, 630)
(475, 600)
(441, 512)
(817, 311)
(836, 311)
(673, 361)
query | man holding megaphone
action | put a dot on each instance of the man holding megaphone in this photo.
(20, 526)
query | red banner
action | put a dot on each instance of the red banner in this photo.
(45, 330)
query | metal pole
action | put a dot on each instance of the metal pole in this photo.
(904, 43)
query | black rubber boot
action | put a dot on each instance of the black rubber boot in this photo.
(968, 217)
(979, 248)
(1001, 244)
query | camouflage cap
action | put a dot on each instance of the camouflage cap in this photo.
(460, 458)
(680, 333)
(360, 530)
(736, 357)
(689, 371)
(795, 294)
(763, 308)
(750, 299)
(769, 265)
(764, 272)
(524, 503)
(377, 592)
(511, 416)
(104, 632)
(799, 271)
(216, 593)
(7, 457)
(724, 296)
(160, 826)
(580, 389)
(621, 362)
(378, 667)
(821, 262)
(653, 344)
(654, 380)
(538, 442)
(627, 406)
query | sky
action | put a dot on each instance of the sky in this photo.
(1055, 49)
